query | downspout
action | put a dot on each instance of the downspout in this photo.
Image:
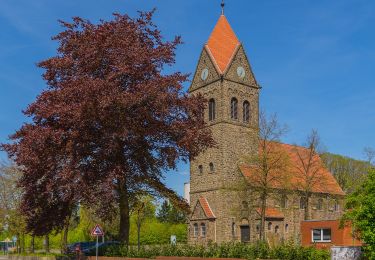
(215, 230)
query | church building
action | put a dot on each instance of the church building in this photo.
(219, 212)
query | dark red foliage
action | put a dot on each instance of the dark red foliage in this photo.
(109, 123)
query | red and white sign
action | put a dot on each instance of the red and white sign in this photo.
(97, 231)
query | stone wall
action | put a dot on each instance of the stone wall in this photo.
(346, 252)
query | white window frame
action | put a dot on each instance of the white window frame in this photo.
(321, 235)
(195, 230)
(203, 230)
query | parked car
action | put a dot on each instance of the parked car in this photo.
(89, 248)
(80, 246)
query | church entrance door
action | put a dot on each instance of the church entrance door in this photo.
(245, 233)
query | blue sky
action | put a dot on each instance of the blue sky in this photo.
(314, 59)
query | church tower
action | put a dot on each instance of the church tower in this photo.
(225, 78)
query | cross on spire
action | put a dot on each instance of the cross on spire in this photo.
(222, 7)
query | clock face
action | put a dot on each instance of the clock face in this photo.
(204, 74)
(241, 72)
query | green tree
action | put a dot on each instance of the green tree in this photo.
(11, 218)
(309, 166)
(369, 154)
(163, 212)
(348, 172)
(142, 209)
(268, 167)
(168, 213)
(361, 211)
(176, 216)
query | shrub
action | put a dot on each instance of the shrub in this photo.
(228, 250)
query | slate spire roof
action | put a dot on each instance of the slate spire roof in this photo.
(222, 44)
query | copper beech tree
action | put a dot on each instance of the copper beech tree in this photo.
(108, 125)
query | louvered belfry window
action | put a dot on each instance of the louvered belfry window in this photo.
(211, 110)
(246, 112)
(233, 108)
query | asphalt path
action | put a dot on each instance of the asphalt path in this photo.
(3, 257)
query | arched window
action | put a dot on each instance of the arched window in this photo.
(258, 228)
(246, 112)
(276, 229)
(196, 231)
(336, 206)
(211, 109)
(212, 169)
(233, 108)
(245, 205)
(203, 230)
(319, 206)
(200, 169)
(286, 228)
(302, 203)
(269, 225)
(284, 201)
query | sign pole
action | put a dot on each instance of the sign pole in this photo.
(97, 231)
(97, 245)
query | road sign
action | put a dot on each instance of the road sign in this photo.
(97, 231)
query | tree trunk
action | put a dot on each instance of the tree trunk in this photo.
(46, 244)
(262, 217)
(139, 232)
(18, 244)
(32, 245)
(64, 238)
(124, 214)
(307, 207)
(23, 243)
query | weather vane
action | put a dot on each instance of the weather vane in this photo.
(222, 7)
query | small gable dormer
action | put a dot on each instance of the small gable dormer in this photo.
(202, 210)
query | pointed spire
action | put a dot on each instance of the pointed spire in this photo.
(222, 43)
(222, 7)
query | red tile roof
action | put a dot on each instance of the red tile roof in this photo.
(206, 207)
(293, 177)
(222, 44)
(272, 213)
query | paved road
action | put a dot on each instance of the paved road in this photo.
(3, 257)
